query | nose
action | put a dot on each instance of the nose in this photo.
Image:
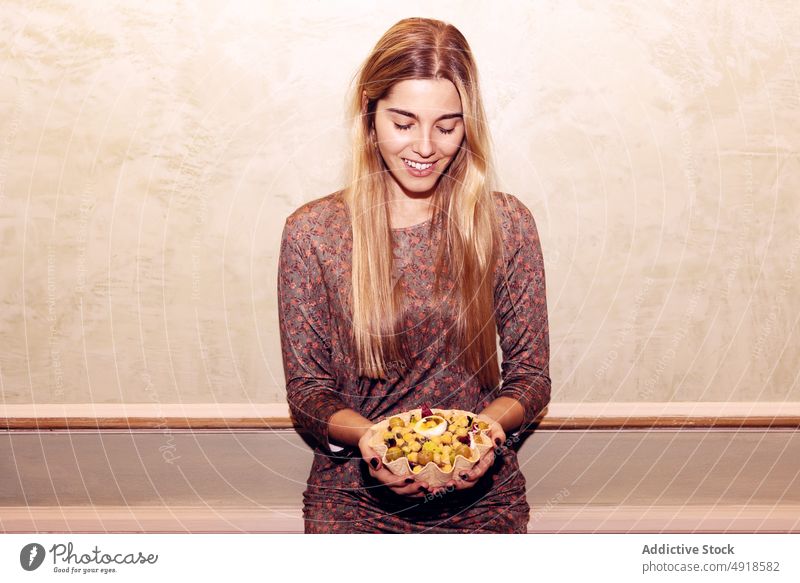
(424, 145)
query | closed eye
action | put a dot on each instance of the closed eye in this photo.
(408, 127)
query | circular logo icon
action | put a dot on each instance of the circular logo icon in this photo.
(31, 556)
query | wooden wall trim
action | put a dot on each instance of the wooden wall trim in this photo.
(563, 416)
(564, 518)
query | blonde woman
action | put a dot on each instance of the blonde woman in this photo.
(393, 291)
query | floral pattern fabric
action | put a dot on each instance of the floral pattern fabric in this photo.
(313, 284)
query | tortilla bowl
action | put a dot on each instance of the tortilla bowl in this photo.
(444, 432)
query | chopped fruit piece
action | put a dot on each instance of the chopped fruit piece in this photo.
(413, 457)
(424, 457)
(417, 469)
(394, 453)
(396, 422)
(426, 412)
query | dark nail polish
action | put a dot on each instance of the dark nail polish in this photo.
(464, 476)
(374, 463)
(409, 480)
(497, 441)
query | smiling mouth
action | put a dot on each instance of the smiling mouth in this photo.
(418, 165)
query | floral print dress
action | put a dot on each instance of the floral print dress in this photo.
(313, 283)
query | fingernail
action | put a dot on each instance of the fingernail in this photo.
(497, 441)
(374, 463)
(409, 480)
(464, 476)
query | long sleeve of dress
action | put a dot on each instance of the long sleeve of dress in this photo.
(305, 330)
(521, 317)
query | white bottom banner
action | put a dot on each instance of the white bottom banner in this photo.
(355, 558)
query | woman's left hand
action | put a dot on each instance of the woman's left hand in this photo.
(468, 478)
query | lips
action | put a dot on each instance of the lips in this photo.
(419, 169)
(418, 165)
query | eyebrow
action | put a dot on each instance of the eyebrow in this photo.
(409, 114)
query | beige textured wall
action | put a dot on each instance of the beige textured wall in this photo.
(151, 152)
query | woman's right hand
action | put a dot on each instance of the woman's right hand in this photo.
(402, 485)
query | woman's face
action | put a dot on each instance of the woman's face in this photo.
(419, 127)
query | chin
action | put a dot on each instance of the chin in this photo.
(420, 188)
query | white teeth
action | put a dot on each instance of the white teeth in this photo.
(418, 166)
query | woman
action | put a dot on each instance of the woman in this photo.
(392, 293)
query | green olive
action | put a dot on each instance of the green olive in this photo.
(393, 453)
(423, 457)
(396, 422)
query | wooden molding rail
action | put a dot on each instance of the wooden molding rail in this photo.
(234, 416)
(564, 518)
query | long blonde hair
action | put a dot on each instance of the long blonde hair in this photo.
(420, 48)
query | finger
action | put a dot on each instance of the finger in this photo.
(495, 430)
(461, 480)
(471, 475)
(484, 464)
(463, 484)
(406, 483)
(443, 488)
(481, 467)
(388, 478)
(367, 451)
(498, 436)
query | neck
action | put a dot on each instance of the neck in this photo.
(407, 212)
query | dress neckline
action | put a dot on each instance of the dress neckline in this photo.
(412, 227)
